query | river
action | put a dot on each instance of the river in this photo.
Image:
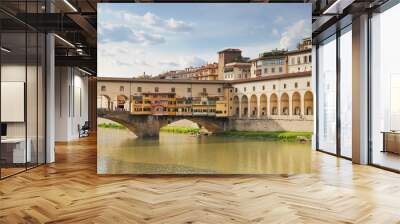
(119, 152)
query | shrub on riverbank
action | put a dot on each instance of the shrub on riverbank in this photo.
(183, 130)
(273, 135)
(111, 125)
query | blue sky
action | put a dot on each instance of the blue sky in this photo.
(154, 38)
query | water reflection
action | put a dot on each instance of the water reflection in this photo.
(120, 153)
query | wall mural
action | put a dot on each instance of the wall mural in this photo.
(204, 88)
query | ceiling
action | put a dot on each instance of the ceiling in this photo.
(75, 21)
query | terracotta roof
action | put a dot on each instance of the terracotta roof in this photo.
(184, 81)
(190, 81)
(238, 64)
(298, 51)
(230, 50)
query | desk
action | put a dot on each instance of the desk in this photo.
(391, 141)
(15, 148)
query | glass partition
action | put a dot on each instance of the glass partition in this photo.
(385, 89)
(22, 77)
(13, 87)
(327, 95)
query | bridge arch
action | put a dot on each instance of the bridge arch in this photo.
(285, 104)
(253, 106)
(245, 104)
(209, 124)
(103, 102)
(308, 103)
(131, 127)
(296, 103)
(273, 104)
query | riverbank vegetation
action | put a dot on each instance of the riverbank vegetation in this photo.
(272, 135)
(182, 130)
(111, 125)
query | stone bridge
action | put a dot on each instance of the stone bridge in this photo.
(149, 125)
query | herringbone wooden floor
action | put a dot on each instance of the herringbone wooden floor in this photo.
(69, 191)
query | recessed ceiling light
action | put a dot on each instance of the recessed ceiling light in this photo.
(70, 5)
(64, 40)
(5, 50)
(84, 71)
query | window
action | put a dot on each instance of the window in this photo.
(293, 61)
(172, 89)
(309, 58)
(219, 90)
(272, 70)
(263, 87)
(284, 86)
(308, 84)
(139, 89)
(265, 70)
(298, 60)
(346, 93)
(254, 88)
(156, 89)
(244, 89)
(204, 90)
(236, 90)
(305, 59)
(273, 86)
(103, 88)
(295, 85)
(385, 87)
(121, 88)
(327, 95)
(280, 69)
(189, 90)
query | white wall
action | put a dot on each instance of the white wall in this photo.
(71, 103)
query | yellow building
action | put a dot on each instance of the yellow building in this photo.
(221, 109)
(184, 106)
(154, 103)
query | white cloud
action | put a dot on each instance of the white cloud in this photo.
(294, 33)
(177, 25)
(148, 22)
(169, 64)
(124, 59)
(149, 38)
(192, 61)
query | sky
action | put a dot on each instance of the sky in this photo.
(153, 38)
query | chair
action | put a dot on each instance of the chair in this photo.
(84, 130)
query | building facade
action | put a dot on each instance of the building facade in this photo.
(227, 56)
(205, 72)
(279, 97)
(300, 60)
(269, 63)
(237, 70)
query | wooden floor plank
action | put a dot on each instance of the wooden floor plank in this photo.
(70, 191)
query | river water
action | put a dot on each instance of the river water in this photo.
(119, 152)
